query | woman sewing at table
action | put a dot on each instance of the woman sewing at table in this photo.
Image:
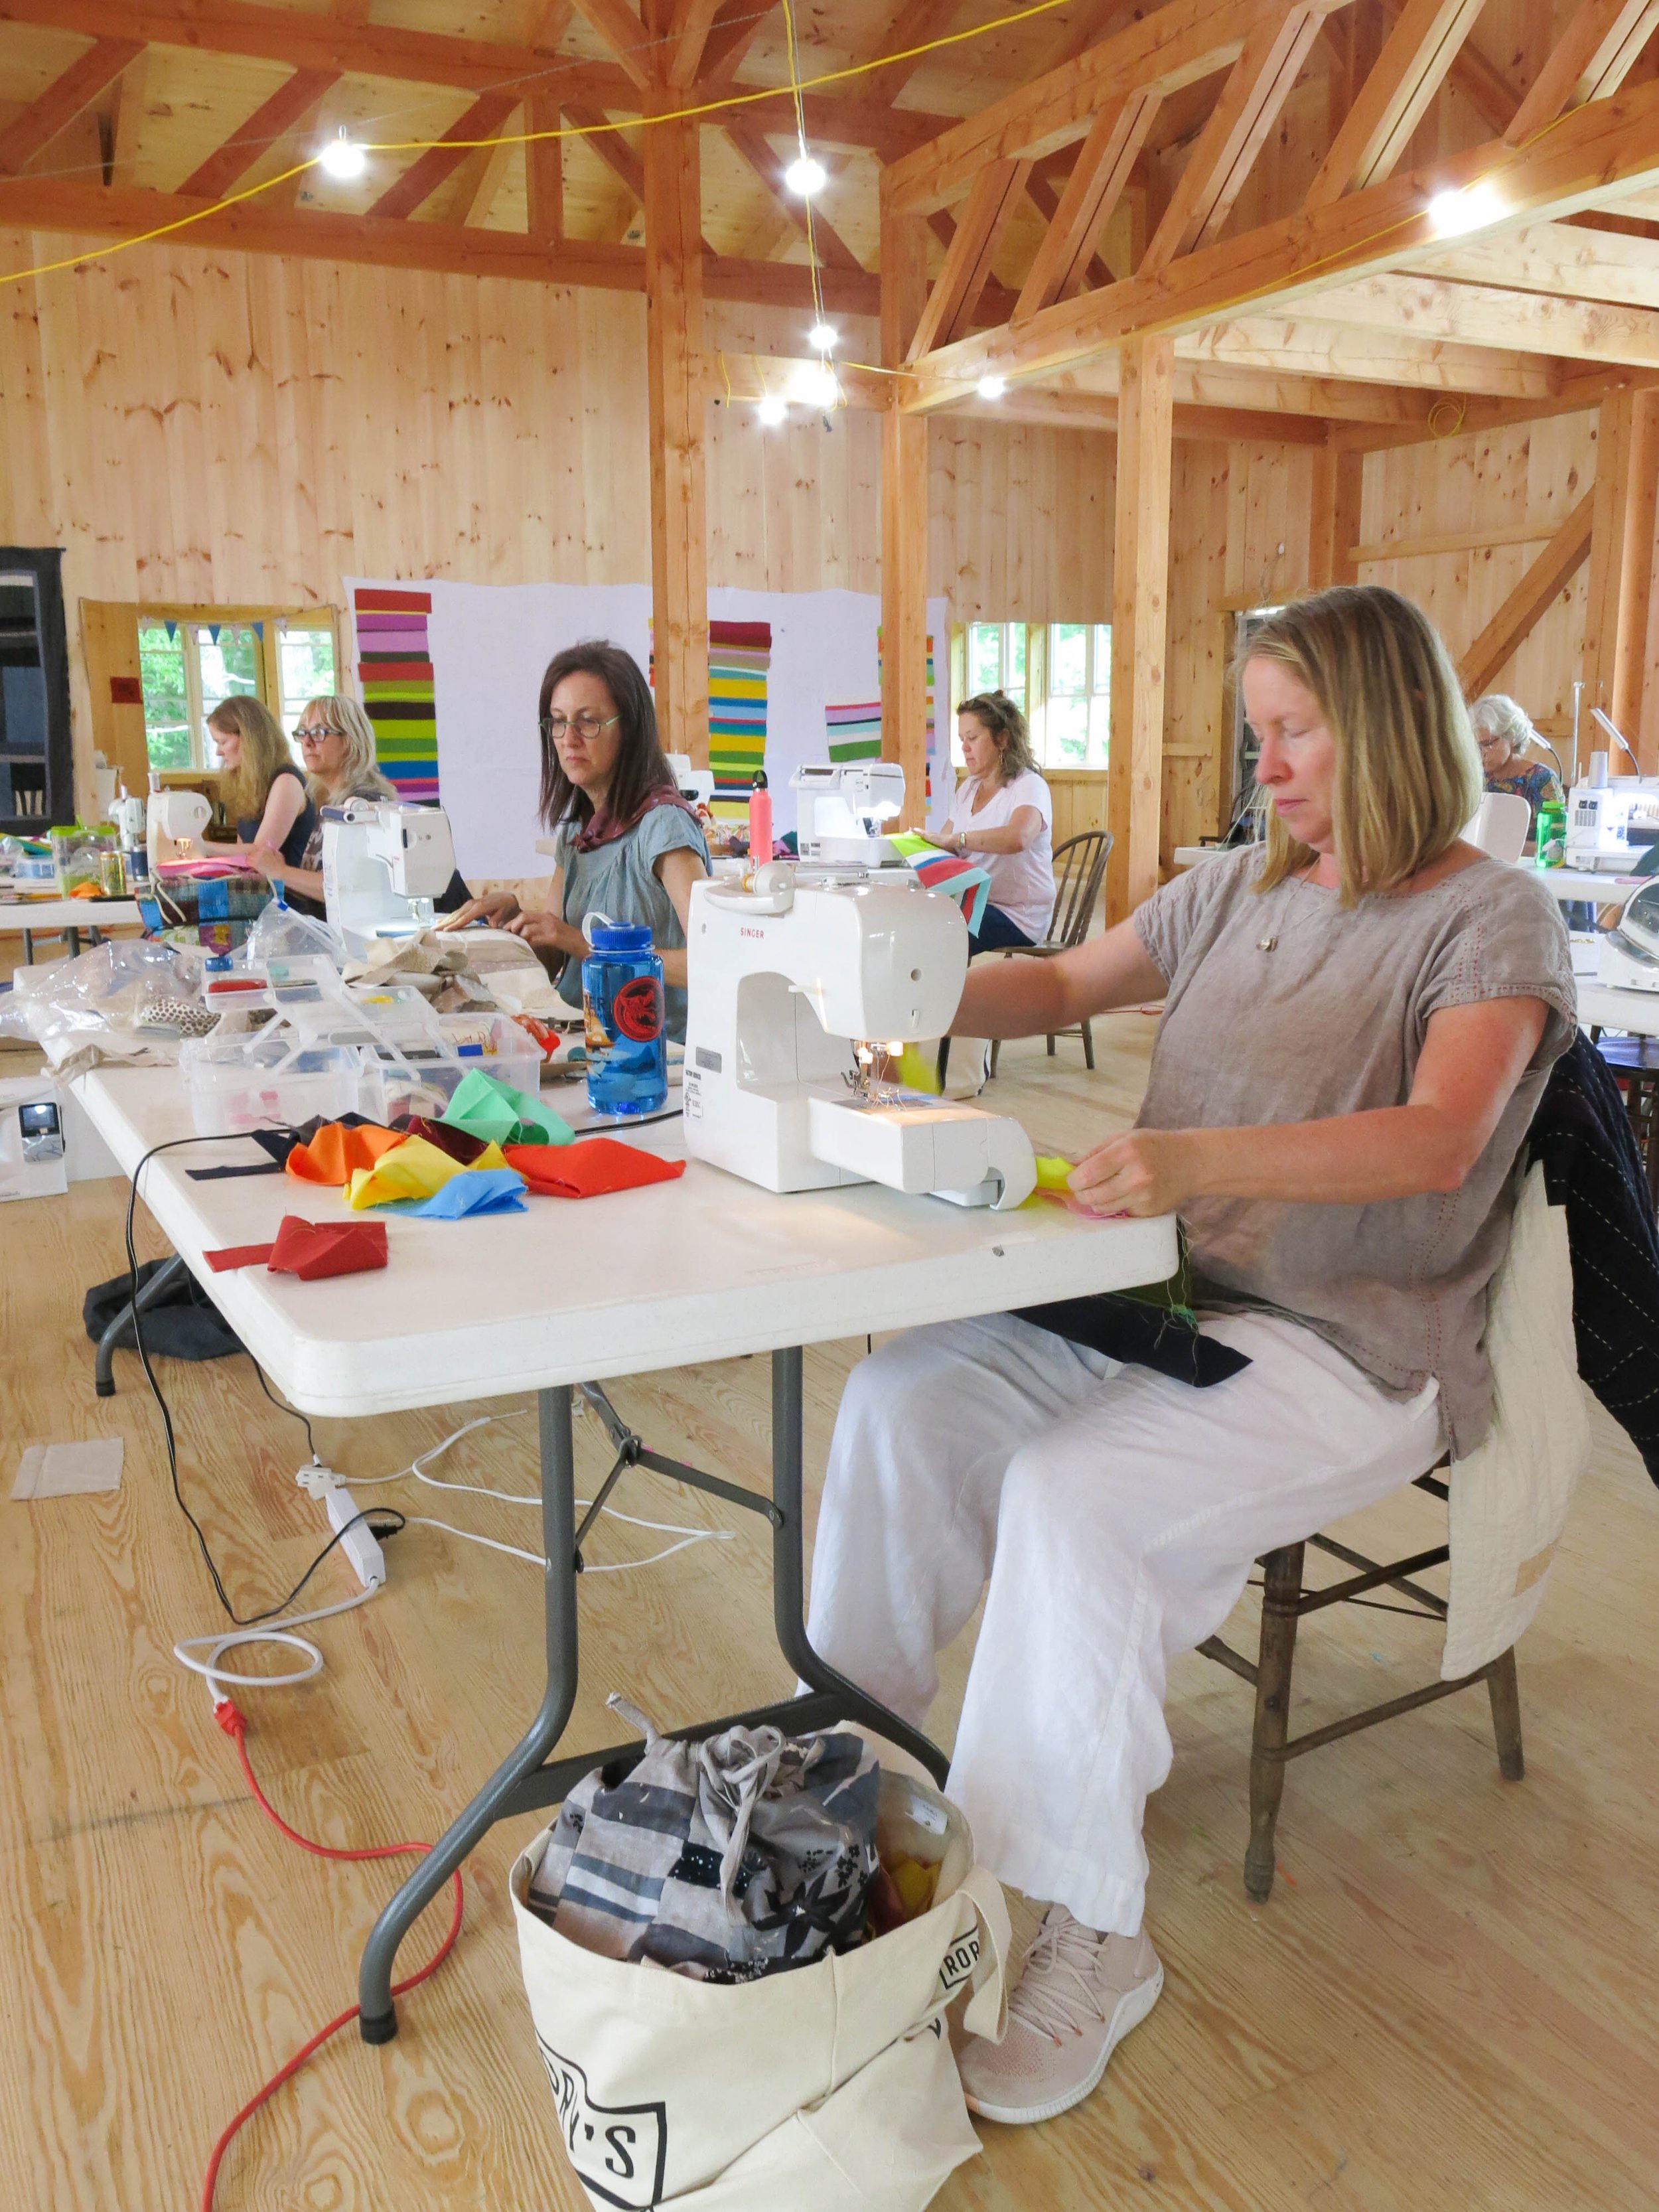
(1360, 1017)
(627, 845)
(337, 743)
(265, 794)
(1003, 817)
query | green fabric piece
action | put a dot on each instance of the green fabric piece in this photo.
(495, 1113)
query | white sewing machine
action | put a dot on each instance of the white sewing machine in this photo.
(798, 988)
(1611, 825)
(840, 807)
(173, 824)
(384, 863)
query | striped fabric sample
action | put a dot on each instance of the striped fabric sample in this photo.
(739, 656)
(854, 731)
(394, 668)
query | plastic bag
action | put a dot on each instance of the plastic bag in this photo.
(278, 932)
(115, 988)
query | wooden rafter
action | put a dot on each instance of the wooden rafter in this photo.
(689, 33)
(1425, 41)
(486, 116)
(734, 30)
(1590, 158)
(960, 283)
(1313, 348)
(1552, 571)
(129, 94)
(64, 99)
(544, 167)
(1427, 307)
(1590, 61)
(615, 150)
(1091, 192)
(1559, 257)
(624, 38)
(1041, 191)
(287, 107)
(914, 24)
(477, 183)
(755, 150)
(1257, 87)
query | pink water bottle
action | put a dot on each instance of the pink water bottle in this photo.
(760, 822)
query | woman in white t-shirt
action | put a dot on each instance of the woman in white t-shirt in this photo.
(1003, 816)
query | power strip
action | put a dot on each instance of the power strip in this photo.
(357, 1540)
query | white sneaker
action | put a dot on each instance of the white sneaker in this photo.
(1079, 1996)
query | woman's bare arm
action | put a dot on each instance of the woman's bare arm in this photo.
(1022, 997)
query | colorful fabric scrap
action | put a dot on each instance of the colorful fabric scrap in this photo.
(970, 887)
(311, 1250)
(335, 1152)
(486, 1108)
(590, 1169)
(469, 1190)
(394, 667)
(416, 1170)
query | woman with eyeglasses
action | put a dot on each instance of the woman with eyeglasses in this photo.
(626, 844)
(337, 743)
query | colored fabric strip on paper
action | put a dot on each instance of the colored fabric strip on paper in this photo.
(312, 1250)
(496, 1112)
(335, 1152)
(469, 1190)
(590, 1167)
(231, 1256)
(416, 1170)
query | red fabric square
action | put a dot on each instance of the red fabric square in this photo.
(311, 1250)
(237, 1255)
(588, 1168)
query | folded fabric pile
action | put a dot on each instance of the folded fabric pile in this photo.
(726, 1860)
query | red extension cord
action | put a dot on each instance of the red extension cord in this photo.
(234, 1725)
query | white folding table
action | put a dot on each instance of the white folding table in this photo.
(65, 917)
(565, 1295)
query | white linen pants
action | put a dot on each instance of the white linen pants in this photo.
(1116, 1515)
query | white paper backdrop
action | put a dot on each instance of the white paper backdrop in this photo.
(489, 643)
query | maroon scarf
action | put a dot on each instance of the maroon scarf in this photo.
(602, 828)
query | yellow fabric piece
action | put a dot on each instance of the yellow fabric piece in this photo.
(919, 1071)
(416, 1170)
(1052, 1173)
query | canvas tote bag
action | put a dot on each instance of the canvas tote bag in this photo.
(829, 2088)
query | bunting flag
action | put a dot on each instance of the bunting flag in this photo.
(739, 656)
(394, 669)
(853, 732)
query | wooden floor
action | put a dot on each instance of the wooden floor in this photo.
(1450, 2001)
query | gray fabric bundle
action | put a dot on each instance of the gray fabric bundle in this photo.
(741, 1856)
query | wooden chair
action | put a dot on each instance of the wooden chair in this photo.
(1284, 1604)
(1079, 872)
(1633, 1062)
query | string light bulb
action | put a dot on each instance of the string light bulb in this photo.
(824, 337)
(991, 387)
(805, 176)
(343, 158)
(819, 387)
(771, 411)
(1453, 213)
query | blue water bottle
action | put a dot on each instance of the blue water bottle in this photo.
(624, 1014)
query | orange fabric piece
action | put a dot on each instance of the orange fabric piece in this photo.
(335, 1150)
(589, 1168)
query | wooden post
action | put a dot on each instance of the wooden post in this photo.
(674, 340)
(1140, 590)
(1334, 521)
(1621, 575)
(904, 525)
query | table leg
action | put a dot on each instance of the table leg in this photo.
(28, 948)
(379, 2021)
(72, 939)
(104, 1363)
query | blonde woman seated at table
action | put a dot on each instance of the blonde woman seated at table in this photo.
(627, 845)
(265, 794)
(1003, 817)
(337, 743)
(1359, 1017)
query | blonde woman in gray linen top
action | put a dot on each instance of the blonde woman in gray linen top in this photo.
(1359, 1018)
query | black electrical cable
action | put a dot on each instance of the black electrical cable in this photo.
(392, 1522)
(292, 1411)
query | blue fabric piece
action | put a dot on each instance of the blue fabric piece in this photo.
(474, 1190)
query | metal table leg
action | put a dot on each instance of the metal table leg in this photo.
(28, 948)
(71, 937)
(104, 1364)
(528, 1780)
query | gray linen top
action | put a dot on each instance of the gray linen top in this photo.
(1283, 1007)
(619, 879)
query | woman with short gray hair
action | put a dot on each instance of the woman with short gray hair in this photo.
(1503, 730)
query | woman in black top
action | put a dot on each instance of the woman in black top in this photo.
(265, 793)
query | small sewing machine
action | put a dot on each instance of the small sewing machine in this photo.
(840, 807)
(384, 863)
(1611, 826)
(800, 988)
(174, 822)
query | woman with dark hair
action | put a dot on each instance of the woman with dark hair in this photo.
(1003, 816)
(627, 845)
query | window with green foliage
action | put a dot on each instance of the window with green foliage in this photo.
(1060, 673)
(188, 667)
(305, 668)
(161, 652)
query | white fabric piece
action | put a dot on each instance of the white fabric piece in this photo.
(1116, 1515)
(65, 1470)
(1022, 883)
(1510, 1496)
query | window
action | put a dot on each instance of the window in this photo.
(188, 664)
(1061, 673)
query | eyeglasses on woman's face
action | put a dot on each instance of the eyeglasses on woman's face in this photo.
(587, 726)
(315, 732)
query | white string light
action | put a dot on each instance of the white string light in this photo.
(805, 175)
(991, 387)
(824, 337)
(771, 411)
(1453, 213)
(343, 158)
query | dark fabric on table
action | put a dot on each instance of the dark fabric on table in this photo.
(1139, 1334)
(183, 1323)
(1581, 1135)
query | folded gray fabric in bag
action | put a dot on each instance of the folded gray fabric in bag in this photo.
(741, 1856)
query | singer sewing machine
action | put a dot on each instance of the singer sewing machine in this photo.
(384, 864)
(840, 807)
(801, 988)
(174, 822)
(1611, 826)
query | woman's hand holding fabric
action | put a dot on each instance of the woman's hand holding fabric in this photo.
(267, 860)
(548, 932)
(1145, 1172)
(498, 909)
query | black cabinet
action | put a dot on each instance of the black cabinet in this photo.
(37, 774)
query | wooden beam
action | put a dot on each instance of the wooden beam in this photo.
(1413, 64)
(64, 99)
(914, 24)
(1175, 46)
(673, 338)
(1226, 151)
(755, 150)
(1140, 592)
(1063, 410)
(689, 33)
(287, 107)
(620, 31)
(1435, 541)
(1303, 345)
(1589, 159)
(130, 95)
(1590, 61)
(735, 29)
(904, 506)
(1091, 192)
(793, 378)
(1559, 257)
(544, 167)
(1425, 307)
(1334, 517)
(1622, 520)
(607, 140)
(486, 116)
(477, 186)
(1552, 571)
(960, 283)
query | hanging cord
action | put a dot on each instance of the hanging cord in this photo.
(234, 1725)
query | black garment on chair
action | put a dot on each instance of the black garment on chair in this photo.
(184, 1324)
(1140, 1334)
(1582, 1135)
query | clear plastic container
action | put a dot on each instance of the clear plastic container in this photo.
(234, 1084)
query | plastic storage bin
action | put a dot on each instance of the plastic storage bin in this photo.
(241, 1082)
(413, 1080)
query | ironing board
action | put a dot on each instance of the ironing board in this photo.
(703, 1269)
